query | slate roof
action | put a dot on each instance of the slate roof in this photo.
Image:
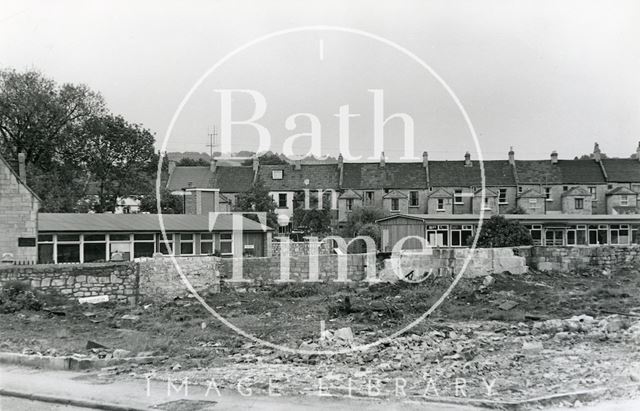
(320, 176)
(531, 193)
(564, 172)
(455, 174)
(622, 170)
(70, 222)
(363, 176)
(576, 192)
(581, 172)
(621, 191)
(625, 210)
(227, 179)
(394, 194)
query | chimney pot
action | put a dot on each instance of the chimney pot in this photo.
(597, 156)
(22, 167)
(340, 161)
(425, 159)
(382, 160)
(554, 157)
(512, 157)
(467, 159)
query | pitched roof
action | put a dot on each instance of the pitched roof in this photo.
(440, 193)
(622, 170)
(581, 172)
(350, 194)
(576, 192)
(538, 172)
(621, 191)
(488, 193)
(392, 175)
(395, 194)
(227, 179)
(70, 222)
(318, 176)
(531, 193)
(456, 174)
(625, 210)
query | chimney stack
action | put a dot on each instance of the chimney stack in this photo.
(425, 159)
(297, 164)
(467, 159)
(382, 160)
(638, 152)
(22, 167)
(341, 160)
(213, 165)
(172, 167)
(597, 155)
(256, 163)
(554, 157)
(512, 157)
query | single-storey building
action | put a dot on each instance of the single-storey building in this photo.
(83, 238)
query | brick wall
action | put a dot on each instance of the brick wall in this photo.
(117, 280)
(18, 216)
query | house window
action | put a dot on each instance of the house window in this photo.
(594, 193)
(502, 196)
(226, 243)
(395, 204)
(282, 200)
(94, 248)
(440, 204)
(457, 196)
(349, 204)
(277, 174)
(206, 243)
(144, 245)
(579, 203)
(547, 193)
(186, 244)
(565, 188)
(520, 189)
(414, 199)
(536, 233)
(368, 197)
(624, 200)
(486, 204)
(163, 248)
(533, 204)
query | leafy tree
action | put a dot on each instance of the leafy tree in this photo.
(516, 210)
(367, 230)
(258, 199)
(500, 232)
(359, 217)
(170, 204)
(191, 162)
(267, 158)
(119, 157)
(314, 221)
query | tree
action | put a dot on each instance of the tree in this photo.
(119, 157)
(191, 162)
(516, 210)
(500, 232)
(359, 217)
(258, 199)
(170, 204)
(267, 158)
(313, 220)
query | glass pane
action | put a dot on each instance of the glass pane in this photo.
(119, 237)
(68, 237)
(121, 248)
(143, 250)
(225, 236)
(144, 237)
(45, 253)
(94, 237)
(206, 248)
(582, 237)
(186, 237)
(186, 248)
(68, 253)
(45, 237)
(225, 247)
(94, 252)
(163, 248)
(206, 236)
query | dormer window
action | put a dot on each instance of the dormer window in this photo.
(276, 174)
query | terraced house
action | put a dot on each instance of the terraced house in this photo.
(570, 202)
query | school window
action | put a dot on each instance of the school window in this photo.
(440, 204)
(594, 193)
(395, 204)
(68, 248)
(349, 204)
(282, 200)
(226, 243)
(502, 196)
(368, 197)
(579, 203)
(186, 244)
(143, 245)
(414, 200)
(206, 243)
(620, 234)
(457, 196)
(94, 248)
(45, 248)
(120, 244)
(165, 247)
(277, 174)
(547, 193)
(624, 200)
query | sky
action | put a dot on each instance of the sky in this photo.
(536, 75)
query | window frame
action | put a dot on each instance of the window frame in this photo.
(415, 193)
(395, 204)
(579, 203)
(277, 174)
(502, 196)
(457, 197)
(440, 204)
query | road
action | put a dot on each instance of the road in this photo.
(136, 394)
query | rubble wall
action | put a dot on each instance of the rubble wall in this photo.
(159, 278)
(299, 248)
(569, 259)
(117, 280)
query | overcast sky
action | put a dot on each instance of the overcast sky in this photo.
(536, 75)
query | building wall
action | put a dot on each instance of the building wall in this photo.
(569, 205)
(403, 206)
(288, 210)
(18, 218)
(491, 207)
(343, 213)
(536, 208)
(615, 201)
(432, 206)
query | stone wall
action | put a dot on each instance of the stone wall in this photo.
(159, 278)
(300, 248)
(117, 280)
(570, 259)
(18, 211)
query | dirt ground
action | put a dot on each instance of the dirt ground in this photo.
(524, 336)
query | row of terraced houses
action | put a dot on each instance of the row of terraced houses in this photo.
(565, 202)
